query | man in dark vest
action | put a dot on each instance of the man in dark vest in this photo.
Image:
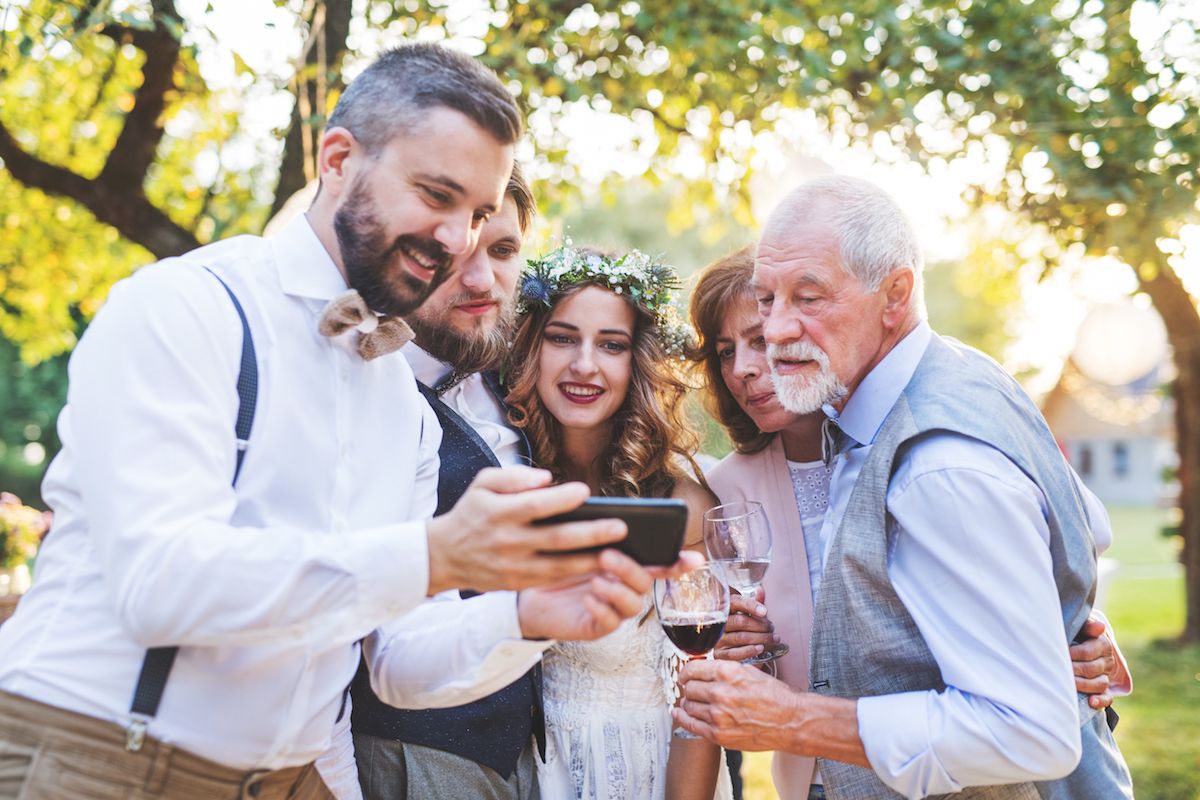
(958, 551)
(484, 749)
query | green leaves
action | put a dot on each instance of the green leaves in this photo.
(700, 83)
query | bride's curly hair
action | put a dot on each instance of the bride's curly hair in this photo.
(652, 440)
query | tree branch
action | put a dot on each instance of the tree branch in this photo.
(667, 123)
(127, 211)
(137, 144)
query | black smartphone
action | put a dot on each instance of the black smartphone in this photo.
(656, 526)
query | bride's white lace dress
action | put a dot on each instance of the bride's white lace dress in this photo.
(608, 728)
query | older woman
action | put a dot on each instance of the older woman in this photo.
(777, 461)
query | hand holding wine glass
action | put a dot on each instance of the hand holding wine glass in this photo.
(692, 610)
(738, 539)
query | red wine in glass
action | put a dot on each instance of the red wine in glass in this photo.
(695, 637)
(692, 610)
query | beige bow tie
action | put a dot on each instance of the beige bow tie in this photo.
(377, 336)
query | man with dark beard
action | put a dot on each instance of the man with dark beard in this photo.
(483, 749)
(227, 597)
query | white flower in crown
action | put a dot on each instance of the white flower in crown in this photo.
(646, 281)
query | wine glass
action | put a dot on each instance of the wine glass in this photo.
(738, 539)
(692, 610)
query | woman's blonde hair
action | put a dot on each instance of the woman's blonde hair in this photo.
(651, 438)
(721, 285)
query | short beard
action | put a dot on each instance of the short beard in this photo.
(370, 260)
(800, 394)
(473, 351)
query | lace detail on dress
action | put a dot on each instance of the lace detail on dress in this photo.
(608, 727)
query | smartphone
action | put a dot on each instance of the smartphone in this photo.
(656, 526)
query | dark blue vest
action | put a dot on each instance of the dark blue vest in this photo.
(492, 731)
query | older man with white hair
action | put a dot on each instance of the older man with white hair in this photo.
(958, 551)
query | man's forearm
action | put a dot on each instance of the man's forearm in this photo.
(480, 640)
(827, 727)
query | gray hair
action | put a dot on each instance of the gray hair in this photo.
(384, 100)
(874, 236)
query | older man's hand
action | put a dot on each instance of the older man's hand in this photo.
(737, 705)
(1100, 670)
(742, 708)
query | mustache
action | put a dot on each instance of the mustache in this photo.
(797, 351)
(475, 297)
(431, 248)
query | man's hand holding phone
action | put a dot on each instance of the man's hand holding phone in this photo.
(588, 608)
(496, 537)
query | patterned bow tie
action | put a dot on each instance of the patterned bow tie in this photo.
(377, 336)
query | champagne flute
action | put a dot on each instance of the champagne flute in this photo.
(738, 539)
(692, 610)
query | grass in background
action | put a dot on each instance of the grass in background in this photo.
(1160, 723)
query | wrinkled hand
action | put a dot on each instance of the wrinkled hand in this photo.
(590, 607)
(742, 708)
(1095, 663)
(488, 542)
(748, 630)
(736, 705)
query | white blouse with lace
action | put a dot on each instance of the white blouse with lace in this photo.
(608, 727)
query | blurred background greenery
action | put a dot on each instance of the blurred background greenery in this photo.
(1042, 148)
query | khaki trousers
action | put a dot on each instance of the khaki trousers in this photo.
(48, 753)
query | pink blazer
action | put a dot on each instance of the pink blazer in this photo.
(763, 476)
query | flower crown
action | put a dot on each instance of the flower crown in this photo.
(646, 281)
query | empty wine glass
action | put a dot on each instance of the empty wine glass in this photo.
(738, 539)
(692, 610)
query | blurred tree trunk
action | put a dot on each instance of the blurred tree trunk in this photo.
(1179, 314)
(317, 78)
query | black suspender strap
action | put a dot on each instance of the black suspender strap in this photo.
(156, 667)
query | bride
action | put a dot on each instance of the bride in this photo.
(593, 382)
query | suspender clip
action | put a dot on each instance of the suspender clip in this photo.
(135, 732)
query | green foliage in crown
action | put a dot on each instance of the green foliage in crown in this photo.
(646, 281)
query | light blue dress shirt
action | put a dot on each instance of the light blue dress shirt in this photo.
(969, 558)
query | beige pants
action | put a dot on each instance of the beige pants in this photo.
(48, 753)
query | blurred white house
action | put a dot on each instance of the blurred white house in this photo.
(1108, 411)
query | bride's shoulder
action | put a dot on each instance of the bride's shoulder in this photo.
(699, 499)
(697, 496)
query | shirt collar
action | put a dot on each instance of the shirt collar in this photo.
(872, 401)
(427, 369)
(305, 267)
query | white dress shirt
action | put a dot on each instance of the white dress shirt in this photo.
(472, 400)
(969, 557)
(266, 588)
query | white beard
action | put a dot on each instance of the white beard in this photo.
(803, 394)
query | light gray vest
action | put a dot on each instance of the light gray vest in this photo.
(864, 641)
